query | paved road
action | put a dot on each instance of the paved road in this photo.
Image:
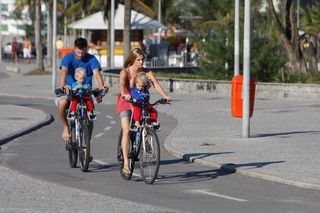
(284, 133)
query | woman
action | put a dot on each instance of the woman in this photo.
(132, 66)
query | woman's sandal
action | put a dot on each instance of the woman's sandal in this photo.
(126, 172)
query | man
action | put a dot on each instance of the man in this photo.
(70, 62)
(14, 50)
(59, 46)
(26, 50)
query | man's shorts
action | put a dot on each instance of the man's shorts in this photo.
(60, 98)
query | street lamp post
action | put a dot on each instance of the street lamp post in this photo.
(0, 31)
(112, 34)
(236, 38)
(54, 51)
(246, 72)
(159, 20)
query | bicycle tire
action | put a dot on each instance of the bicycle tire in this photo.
(120, 158)
(84, 150)
(73, 152)
(149, 156)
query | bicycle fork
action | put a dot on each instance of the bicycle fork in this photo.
(143, 141)
(78, 134)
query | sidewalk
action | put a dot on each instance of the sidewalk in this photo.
(283, 146)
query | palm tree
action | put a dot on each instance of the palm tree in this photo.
(126, 30)
(36, 4)
(37, 33)
(289, 33)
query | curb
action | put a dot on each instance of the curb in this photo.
(49, 119)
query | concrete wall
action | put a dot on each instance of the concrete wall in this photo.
(263, 90)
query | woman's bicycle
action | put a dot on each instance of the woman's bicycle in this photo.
(80, 128)
(144, 147)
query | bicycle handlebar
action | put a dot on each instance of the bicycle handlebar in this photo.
(96, 92)
(159, 101)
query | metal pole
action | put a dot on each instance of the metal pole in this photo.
(65, 24)
(112, 35)
(54, 49)
(236, 38)
(246, 72)
(0, 31)
(159, 20)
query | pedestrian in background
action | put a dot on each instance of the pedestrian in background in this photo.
(14, 50)
(26, 50)
(59, 46)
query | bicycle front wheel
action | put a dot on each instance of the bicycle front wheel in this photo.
(84, 149)
(149, 156)
(72, 151)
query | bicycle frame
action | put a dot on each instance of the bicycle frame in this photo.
(80, 118)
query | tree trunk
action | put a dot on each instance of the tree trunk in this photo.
(49, 32)
(289, 35)
(108, 39)
(37, 33)
(127, 28)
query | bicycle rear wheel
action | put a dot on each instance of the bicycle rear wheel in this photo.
(149, 156)
(84, 149)
(120, 158)
(72, 151)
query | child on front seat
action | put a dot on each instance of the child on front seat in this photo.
(140, 94)
(80, 86)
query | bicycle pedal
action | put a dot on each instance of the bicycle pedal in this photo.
(68, 147)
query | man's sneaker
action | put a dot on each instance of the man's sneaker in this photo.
(70, 116)
(156, 125)
(92, 116)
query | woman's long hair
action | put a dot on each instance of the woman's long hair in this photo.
(133, 55)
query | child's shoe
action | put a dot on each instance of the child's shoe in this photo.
(92, 115)
(156, 125)
(71, 116)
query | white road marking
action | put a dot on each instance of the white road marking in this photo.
(100, 162)
(99, 135)
(113, 122)
(107, 128)
(109, 117)
(201, 191)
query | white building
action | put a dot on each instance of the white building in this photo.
(11, 26)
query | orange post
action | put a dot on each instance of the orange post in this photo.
(236, 96)
(65, 51)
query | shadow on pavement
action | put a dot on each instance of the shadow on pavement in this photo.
(283, 134)
(233, 167)
(191, 176)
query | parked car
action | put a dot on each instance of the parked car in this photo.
(7, 50)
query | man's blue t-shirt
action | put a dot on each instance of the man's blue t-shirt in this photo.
(88, 62)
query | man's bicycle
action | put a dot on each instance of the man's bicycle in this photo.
(80, 128)
(144, 147)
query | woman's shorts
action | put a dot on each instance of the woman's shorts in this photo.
(126, 113)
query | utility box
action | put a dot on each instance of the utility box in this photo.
(237, 97)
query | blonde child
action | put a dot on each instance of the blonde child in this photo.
(80, 76)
